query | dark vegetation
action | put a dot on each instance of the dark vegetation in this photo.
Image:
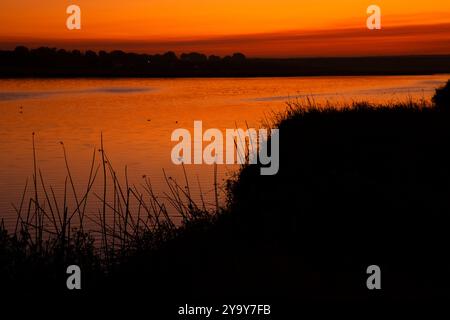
(52, 62)
(359, 186)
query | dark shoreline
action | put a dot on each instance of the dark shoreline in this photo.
(247, 67)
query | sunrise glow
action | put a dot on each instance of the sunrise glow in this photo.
(258, 28)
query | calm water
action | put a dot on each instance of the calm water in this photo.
(137, 117)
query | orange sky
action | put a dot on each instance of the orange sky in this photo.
(287, 28)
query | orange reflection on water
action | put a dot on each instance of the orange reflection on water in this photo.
(137, 117)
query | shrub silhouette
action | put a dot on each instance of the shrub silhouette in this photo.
(194, 57)
(441, 98)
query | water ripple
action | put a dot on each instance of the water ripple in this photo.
(20, 95)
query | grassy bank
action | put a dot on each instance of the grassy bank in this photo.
(357, 186)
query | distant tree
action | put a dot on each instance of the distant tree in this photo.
(170, 57)
(117, 53)
(156, 59)
(238, 57)
(21, 51)
(104, 59)
(117, 58)
(76, 53)
(213, 58)
(227, 59)
(91, 57)
(91, 54)
(44, 52)
(194, 57)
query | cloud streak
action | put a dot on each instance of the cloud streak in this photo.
(393, 40)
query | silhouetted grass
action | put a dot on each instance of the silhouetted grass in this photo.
(52, 233)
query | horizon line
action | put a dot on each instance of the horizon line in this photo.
(398, 40)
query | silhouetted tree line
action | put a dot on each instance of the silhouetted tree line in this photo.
(53, 62)
(53, 59)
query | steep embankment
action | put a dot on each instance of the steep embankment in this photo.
(356, 187)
